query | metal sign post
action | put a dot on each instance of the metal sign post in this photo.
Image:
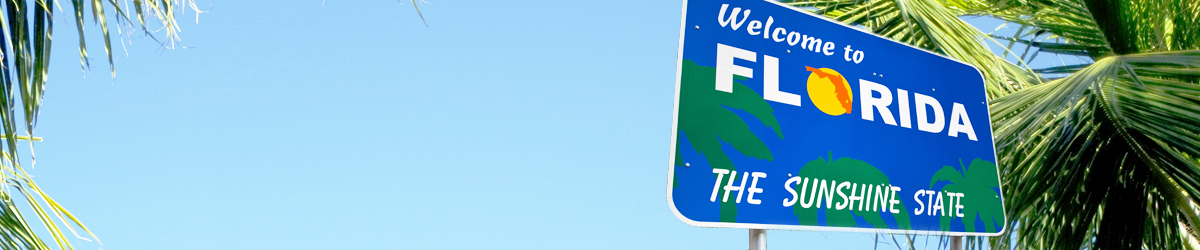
(758, 239)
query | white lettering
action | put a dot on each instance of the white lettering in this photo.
(960, 123)
(958, 205)
(881, 198)
(736, 24)
(923, 123)
(870, 104)
(730, 187)
(845, 202)
(847, 55)
(811, 43)
(720, 175)
(827, 193)
(856, 196)
(812, 196)
(788, 185)
(754, 188)
(893, 201)
(927, 108)
(771, 83)
(929, 194)
(770, 20)
(937, 205)
(726, 69)
(920, 205)
(775, 35)
(753, 28)
(905, 121)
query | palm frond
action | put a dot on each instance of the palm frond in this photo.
(1110, 141)
(161, 10)
(27, 27)
(418, 9)
(930, 25)
(1144, 25)
(1069, 19)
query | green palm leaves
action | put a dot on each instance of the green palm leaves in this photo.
(418, 9)
(975, 179)
(706, 119)
(929, 25)
(1114, 139)
(27, 27)
(849, 170)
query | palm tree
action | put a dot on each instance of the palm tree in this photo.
(706, 120)
(1103, 158)
(25, 54)
(977, 178)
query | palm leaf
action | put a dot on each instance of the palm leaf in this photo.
(930, 25)
(1151, 25)
(1068, 19)
(418, 9)
(708, 121)
(1112, 140)
(27, 28)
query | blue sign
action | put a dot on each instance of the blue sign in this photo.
(788, 120)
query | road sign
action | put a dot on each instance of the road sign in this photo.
(788, 120)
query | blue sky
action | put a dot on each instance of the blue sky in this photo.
(349, 124)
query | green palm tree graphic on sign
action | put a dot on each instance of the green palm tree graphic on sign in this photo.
(978, 182)
(824, 171)
(706, 120)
